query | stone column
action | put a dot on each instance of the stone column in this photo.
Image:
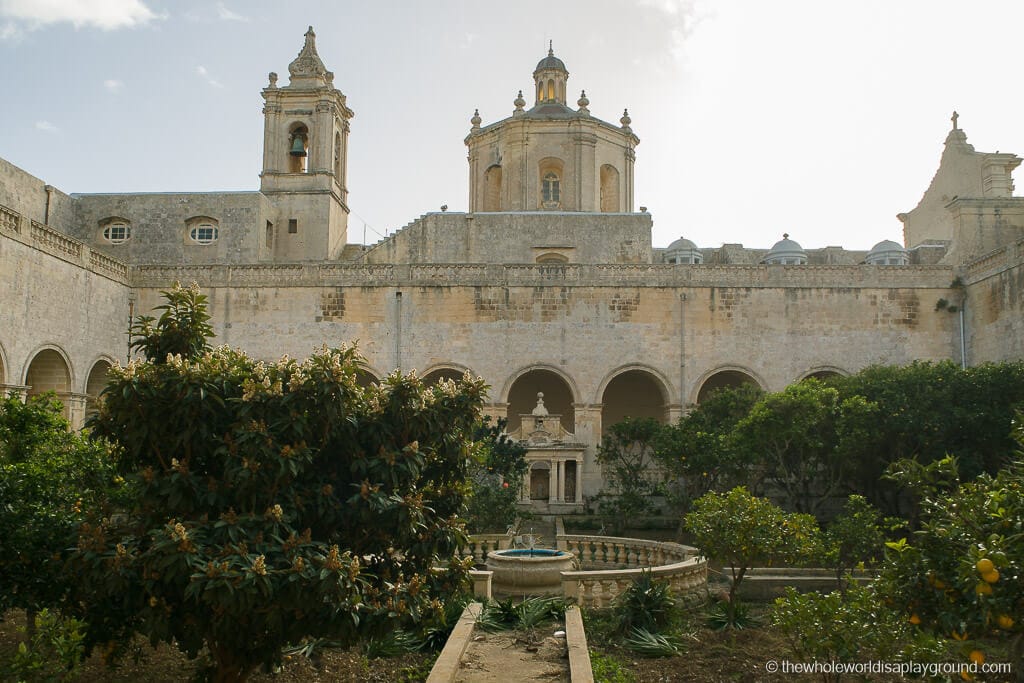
(552, 482)
(579, 480)
(561, 481)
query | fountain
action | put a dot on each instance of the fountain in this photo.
(530, 570)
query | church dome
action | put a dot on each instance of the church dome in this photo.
(683, 251)
(551, 62)
(887, 253)
(786, 252)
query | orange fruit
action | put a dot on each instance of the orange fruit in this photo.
(914, 619)
(1005, 621)
(966, 676)
(977, 656)
(984, 566)
(990, 577)
(983, 589)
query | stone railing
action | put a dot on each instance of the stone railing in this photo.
(596, 585)
(608, 565)
(55, 240)
(9, 220)
(45, 239)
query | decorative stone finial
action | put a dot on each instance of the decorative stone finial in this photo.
(785, 235)
(272, 76)
(954, 118)
(519, 102)
(540, 410)
(551, 48)
(476, 119)
(625, 120)
(308, 63)
(583, 102)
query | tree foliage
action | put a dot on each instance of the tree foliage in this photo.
(742, 531)
(497, 475)
(50, 478)
(961, 575)
(626, 456)
(275, 501)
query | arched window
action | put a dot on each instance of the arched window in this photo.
(298, 148)
(550, 188)
(492, 189)
(552, 257)
(117, 230)
(551, 90)
(609, 189)
(202, 230)
(337, 157)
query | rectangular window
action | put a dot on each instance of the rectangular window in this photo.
(293, 225)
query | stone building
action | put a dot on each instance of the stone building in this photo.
(548, 287)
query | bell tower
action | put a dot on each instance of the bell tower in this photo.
(305, 152)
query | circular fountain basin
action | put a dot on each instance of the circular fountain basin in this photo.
(529, 572)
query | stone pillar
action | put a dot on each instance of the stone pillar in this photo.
(74, 405)
(19, 390)
(561, 481)
(552, 482)
(579, 481)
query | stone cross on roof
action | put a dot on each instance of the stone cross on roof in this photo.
(954, 118)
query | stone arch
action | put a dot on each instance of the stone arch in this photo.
(633, 390)
(95, 383)
(450, 371)
(552, 257)
(824, 372)
(367, 376)
(550, 178)
(723, 377)
(609, 189)
(560, 395)
(492, 188)
(50, 370)
(298, 139)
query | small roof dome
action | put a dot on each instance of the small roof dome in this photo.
(786, 250)
(681, 244)
(887, 253)
(550, 62)
(886, 246)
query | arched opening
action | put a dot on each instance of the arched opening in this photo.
(636, 394)
(551, 89)
(492, 189)
(95, 385)
(822, 375)
(365, 378)
(552, 257)
(550, 183)
(48, 371)
(609, 189)
(435, 376)
(550, 190)
(722, 380)
(298, 148)
(337, 157)
(558, 399)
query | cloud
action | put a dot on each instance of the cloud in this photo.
(224, 14)
(113, 85)
(205, 75)
(47, 127)
(103, 14)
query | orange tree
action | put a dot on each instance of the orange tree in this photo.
(962, 574)
(275, 501)
(742, 531)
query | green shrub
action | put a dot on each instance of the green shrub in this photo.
(607, 669)
(53, 653)
(647, 604)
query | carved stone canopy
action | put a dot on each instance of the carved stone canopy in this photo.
(308, 64)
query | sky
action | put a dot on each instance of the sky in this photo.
(818, 119)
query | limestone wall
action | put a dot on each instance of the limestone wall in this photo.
(519, 238)
(159, 233)
(25, 194)
(56, 294)
(994, 310)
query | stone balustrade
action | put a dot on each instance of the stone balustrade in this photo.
(608, 565)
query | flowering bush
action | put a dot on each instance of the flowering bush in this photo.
(276, 501)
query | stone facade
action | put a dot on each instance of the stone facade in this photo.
(565, 297)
